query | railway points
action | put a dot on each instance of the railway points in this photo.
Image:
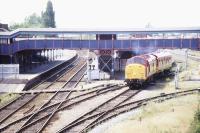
(135, 105)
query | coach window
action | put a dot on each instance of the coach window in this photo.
(153, 67)
(149, 67)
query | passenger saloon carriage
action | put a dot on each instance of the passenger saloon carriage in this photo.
(142, 68)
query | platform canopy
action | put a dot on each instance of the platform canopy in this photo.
(39, 31)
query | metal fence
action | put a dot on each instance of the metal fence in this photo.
(100, 44)
(9, 71)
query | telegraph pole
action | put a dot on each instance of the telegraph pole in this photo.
(88, 75)
(113, 59)
(176, 77)
(186, 58)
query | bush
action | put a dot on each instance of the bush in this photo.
(195, 126)
(197, 115)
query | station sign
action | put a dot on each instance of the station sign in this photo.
(105, 52)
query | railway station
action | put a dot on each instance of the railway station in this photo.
(98, 80)
(41, 53)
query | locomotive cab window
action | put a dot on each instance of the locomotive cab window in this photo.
(136, 60)
(139, 60)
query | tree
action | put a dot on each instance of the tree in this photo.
(49, 16)
(15, 26)
(32, 21)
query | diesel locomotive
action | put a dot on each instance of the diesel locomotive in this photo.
(142, 68)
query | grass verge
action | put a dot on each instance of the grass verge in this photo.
(5, 98)
(195, 125)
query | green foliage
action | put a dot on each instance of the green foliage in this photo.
(32, 21)
(5, 98)
(47, 19)
(195, 126)
(16, 26)
(49, 16)
(197, 115)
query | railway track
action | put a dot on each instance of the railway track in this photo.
(27, 98)
(123, 108)
(86, 119)
(35, 126)
(68, 103)
(18, 104)
(53, 81)
(7, 110)
(73, 81)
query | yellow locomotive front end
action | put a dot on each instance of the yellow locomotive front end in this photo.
(135, 72)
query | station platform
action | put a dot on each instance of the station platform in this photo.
(17, 85)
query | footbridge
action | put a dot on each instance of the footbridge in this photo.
(118, 39)
(21, 44)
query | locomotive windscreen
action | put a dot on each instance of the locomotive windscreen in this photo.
(137, 60)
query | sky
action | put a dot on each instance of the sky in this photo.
(107, 13)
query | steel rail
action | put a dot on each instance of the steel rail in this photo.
(85, 117)
(56, 74)
(6, 105)
(68, 106)
(93, 110)
(69, 79)
(143, 102)
(104, 113)
(12, 101)
(53, 113)
(15, 100)
(18, 108)
(97, 92)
